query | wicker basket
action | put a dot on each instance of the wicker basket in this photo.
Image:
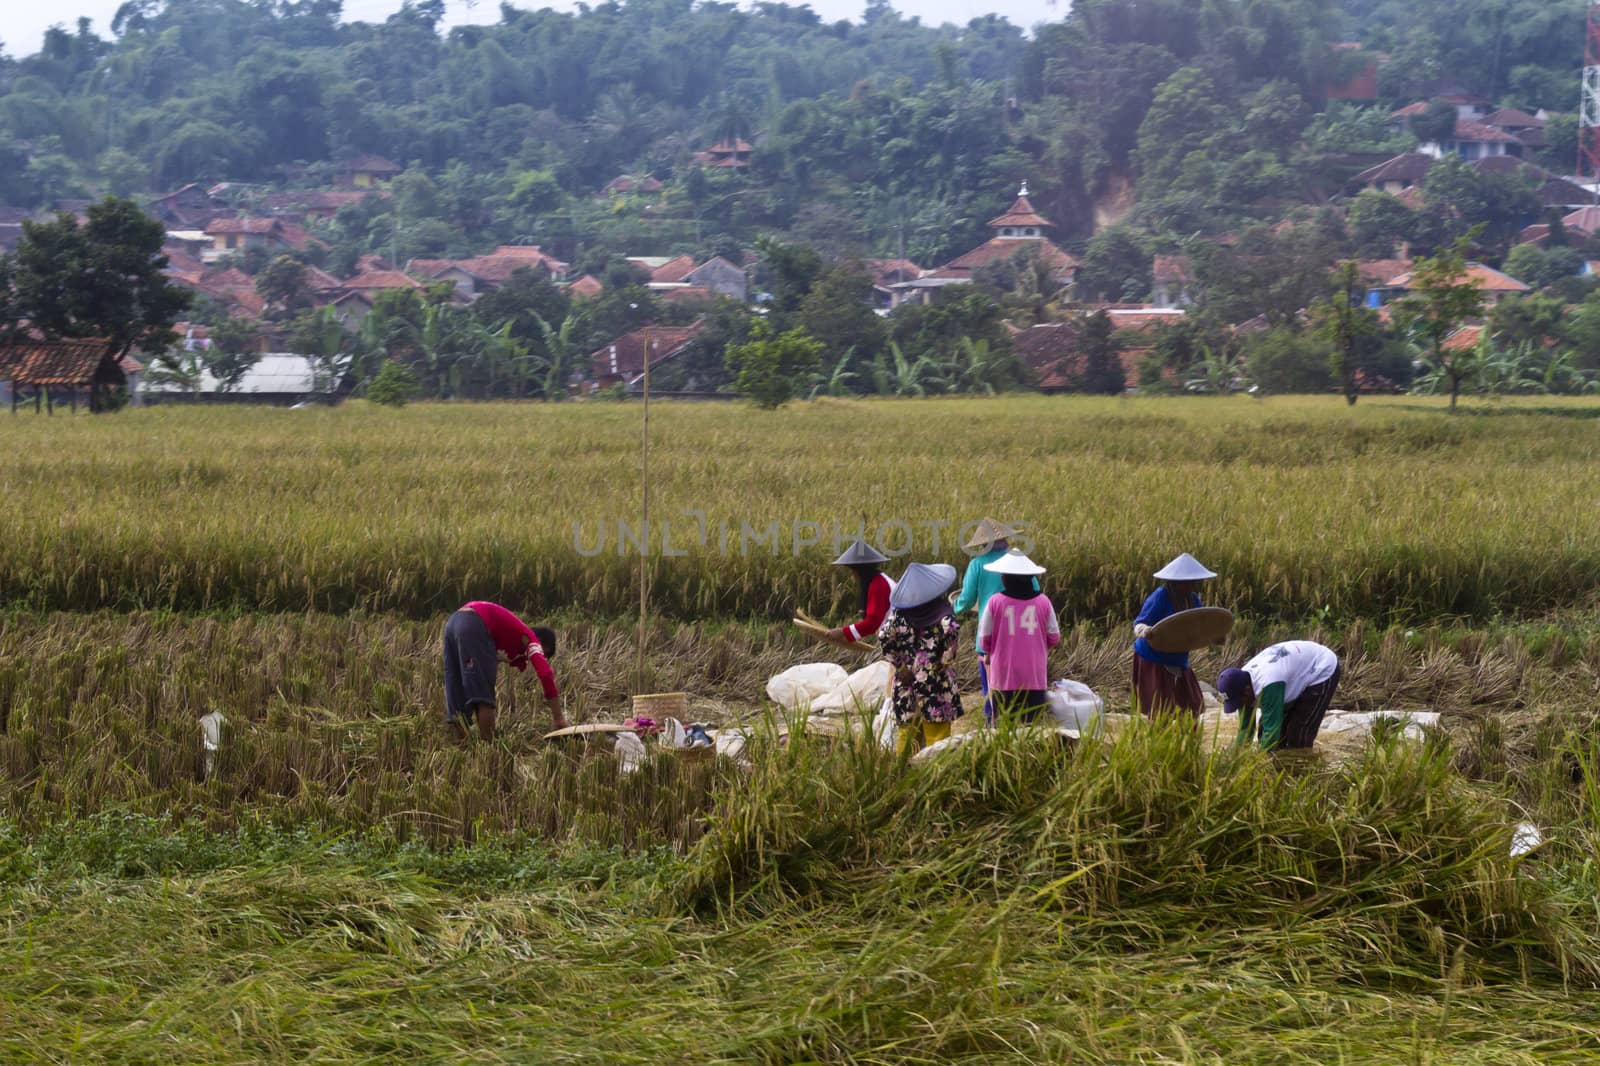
(694, 755)
(662, 705)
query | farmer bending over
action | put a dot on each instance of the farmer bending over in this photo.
(474, 637)
(1293, 683)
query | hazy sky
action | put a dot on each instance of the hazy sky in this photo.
(23, 22)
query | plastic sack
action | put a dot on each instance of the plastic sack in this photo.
(884, 726)
(1075, 705)
(867, 687)
(630, 752)
(939, 747)
(797, 687)
(211, 738)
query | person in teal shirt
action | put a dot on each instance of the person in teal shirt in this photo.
(992, 539)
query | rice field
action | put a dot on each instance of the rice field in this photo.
(345, 885)
(1390, 511)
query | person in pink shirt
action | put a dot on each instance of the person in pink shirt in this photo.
(474, 639)
(1016, 632)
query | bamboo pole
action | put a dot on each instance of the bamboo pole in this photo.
(644, 534)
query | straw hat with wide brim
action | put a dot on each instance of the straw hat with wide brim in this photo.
(988, 532)
(1184, 568)
(922, 583)
(1191, 630)
(1014, 562)
(861, 554)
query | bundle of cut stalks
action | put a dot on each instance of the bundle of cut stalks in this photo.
(810, 626)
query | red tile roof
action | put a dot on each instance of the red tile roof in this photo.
(1514, 119)
(1464, 339)
(1537, 233)
(627, 183)
(74, 363)
(623, 358)
(1585, 220)
(886, 272)
(675, 269)
(1001, 248)
(1411, 197)
(243, 225)
(738, 144)
(1021, 213)
(1487, 279)
(370, 163)
(585, 288)
(1411, 167)
(1468, 130)
(382, 279)
(1378, 272)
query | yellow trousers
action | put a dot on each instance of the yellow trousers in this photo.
(909, 736)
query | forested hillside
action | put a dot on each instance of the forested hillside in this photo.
(1198, 171)
(866, 133)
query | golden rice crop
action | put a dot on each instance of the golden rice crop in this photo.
(1391, 510)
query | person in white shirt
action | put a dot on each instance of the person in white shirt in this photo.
(1293, 684)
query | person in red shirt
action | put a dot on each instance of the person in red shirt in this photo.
(474, 639)
(875, 586)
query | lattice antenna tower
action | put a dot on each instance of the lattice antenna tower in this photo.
(1589, 108)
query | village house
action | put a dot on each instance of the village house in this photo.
(726, 155)
(1495, 286)
(484, 273)
(681, 275)
(320, 204)
(628, 184)
(366, 171)
(1021, 230)
(48, 371)
(188, 208)
(1173, 284)
(585, 288)
(885, 274)
(622, 361)
(237, 235)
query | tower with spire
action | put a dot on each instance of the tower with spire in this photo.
(1021, 222)
(1020, 229)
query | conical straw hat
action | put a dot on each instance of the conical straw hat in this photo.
(1014, 562)
(1184, 568)
(988, 532)
(861, 554)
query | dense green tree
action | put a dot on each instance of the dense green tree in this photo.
(101, 279)
(1347, 327)
(768, 367)
(233, 353)
(1541, 267)
(1441, 298)
(282, 284)
(1102, 361)
(1115, 267)
(838, 313)
(1379, 224)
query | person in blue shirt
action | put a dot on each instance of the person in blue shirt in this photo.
(1163, 681)
(992, 540)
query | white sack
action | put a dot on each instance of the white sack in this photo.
(630, 752)
(1075, 705)
(884, 726)
(867, 687)
(797, 687)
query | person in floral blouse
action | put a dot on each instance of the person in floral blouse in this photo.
(919, 641)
